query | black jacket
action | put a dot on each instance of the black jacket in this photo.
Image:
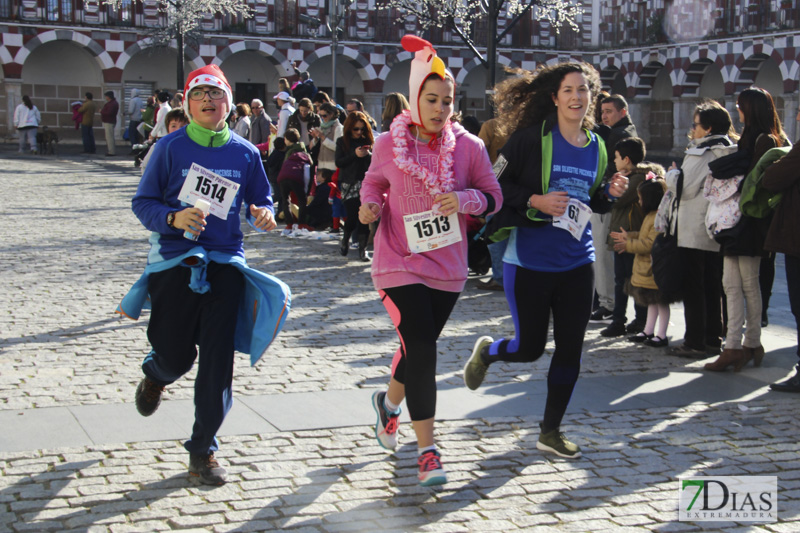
(519, 171)
(351, 167)
(621, 130)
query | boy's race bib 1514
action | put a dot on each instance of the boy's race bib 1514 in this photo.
(216, 190)
(426, 231)
(574, 219)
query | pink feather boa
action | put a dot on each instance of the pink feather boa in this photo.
(439, 182)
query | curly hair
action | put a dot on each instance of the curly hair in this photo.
(527, 99)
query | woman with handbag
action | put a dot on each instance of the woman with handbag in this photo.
(743, 245)
(710, 137)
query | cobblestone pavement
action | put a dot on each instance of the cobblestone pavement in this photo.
(71, 247)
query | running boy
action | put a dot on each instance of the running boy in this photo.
(196, 276)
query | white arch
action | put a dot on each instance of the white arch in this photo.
(94, 48)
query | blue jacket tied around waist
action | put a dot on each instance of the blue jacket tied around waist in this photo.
(262, 311)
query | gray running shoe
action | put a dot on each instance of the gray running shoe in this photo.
(475, 369)
(556, 442)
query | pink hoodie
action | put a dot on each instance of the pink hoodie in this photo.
(445, 269)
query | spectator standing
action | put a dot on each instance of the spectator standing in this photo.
(494, 140)
(160, 128)
(284, 102)
(242, 124)
(353, 157)
(108, 115)
(326, 135)
(784, 237)
(743, 245)
(87, 111)
(356, 105)
(711, 137)
(395, 104)
(614, 111)
(259, 123)
(303, 120)
(603, 304)
(135, 107)
(305, 88)
(26, 121)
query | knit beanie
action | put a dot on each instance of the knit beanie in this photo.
(209, 75)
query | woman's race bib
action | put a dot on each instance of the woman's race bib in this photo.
(575, 218)
(426, 231)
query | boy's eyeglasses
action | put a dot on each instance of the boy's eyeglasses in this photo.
(199, 94)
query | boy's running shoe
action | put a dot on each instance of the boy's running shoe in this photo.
(386, 425)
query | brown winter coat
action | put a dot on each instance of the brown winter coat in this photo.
(784, 231)
(641, 244)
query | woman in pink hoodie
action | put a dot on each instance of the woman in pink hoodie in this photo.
(426, 177)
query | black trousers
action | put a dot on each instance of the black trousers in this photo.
(418, 313)
(702, 302)
(181, 320)
(532, 296)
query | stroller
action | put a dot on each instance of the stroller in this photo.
(139, 151)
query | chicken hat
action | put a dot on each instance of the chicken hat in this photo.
(209, 75)
(424, 64)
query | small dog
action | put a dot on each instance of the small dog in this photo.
(47, 140)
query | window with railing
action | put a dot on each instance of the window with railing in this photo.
(59, 10)
(386, 26)
(286, 17)
(8, 9)
(122, 16)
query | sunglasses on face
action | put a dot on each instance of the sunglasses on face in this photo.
(359, 129)
(199, 94)
(324, 116)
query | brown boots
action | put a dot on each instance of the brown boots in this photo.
(728, 357)
(736, 358)
(756, 354)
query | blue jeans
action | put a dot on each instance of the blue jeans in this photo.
(88, 139)
(623, 269)
(497, 250)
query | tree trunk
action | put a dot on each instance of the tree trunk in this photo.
(181, 46)
(491, 49)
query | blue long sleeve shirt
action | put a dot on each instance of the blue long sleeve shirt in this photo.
(233, 158)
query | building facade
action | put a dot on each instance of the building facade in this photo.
(662, 55)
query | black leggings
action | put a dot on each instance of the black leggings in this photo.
(418, 313)
(531, 297)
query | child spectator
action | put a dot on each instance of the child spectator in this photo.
(626, 215)
(292, 177)
(176, 119)
(337, 205)
(641, 285)
(320, 207)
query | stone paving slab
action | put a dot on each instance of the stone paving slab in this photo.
(70, 247)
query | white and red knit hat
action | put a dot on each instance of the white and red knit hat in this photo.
(209, 75)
